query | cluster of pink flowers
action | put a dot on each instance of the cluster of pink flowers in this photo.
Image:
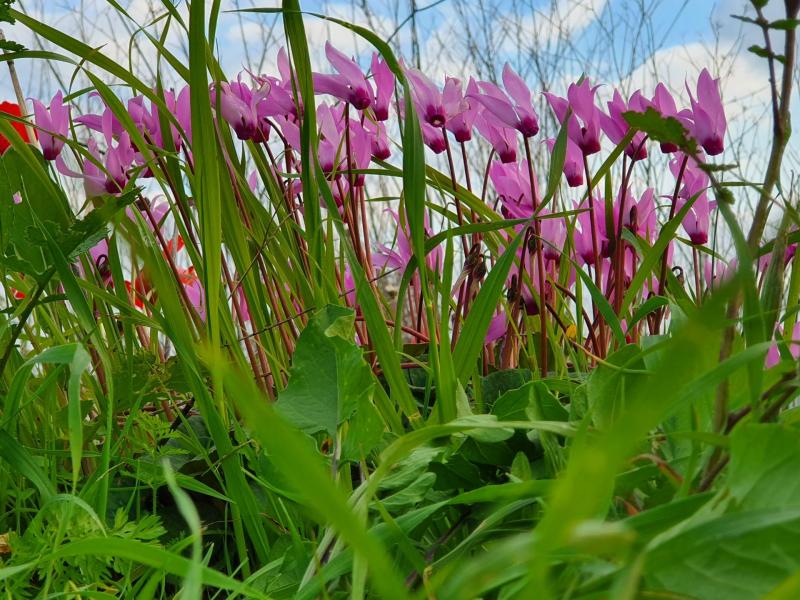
(353, 130)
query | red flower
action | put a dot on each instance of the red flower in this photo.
(12, 109)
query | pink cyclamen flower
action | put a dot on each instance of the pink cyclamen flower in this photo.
(93, 177)
(554, 234)
(460, 124)
(119, 159)
(433, 137)
(378, 139)
(53, 124)
(583, 126)
(427, 98)
(640, 217)
(237, 105)
(616, 127)
(349, 84)
(502, 139)
(773, 354)
(583, 232)
(708, 114)
(513, 186)
(717, 272)
(664, 103)
(383, 78)
(573, 162)
(398, 256)
(696, 223)
(514, 110)
(581, 101)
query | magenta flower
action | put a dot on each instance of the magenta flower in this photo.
(717, 272)
(581, 101)
(53, 125)
(583, 127)
(398, 256)
(461, 123)
(513, 185)
(119, 159)
(237, 105)
(616, 127)
(383, 78)
(93, 177)
(516, 112)
(433, 137)
(349, 85)
(774, 356)
(427, 98)
(183, 112)
(708, 114)
(554, 234)
(331, 147)
(695, 183)
(502, 139)
(664, 103)
(378, 139)
(583, 232)
(640, 217)
(573, 162)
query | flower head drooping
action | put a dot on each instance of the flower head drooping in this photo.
(427, 98)
(460, 124)
(237, 105)
(398, 256)
(349, 84)
(581, 101)
(383, 78)
(664, 103)
(773, 354)
(514, 110)
(707, 114)
(616, 127)
(696, 223)
(378, 139)
(513, 185)
(583, 126)
(573, 162)
(53, 124)
(502, 139)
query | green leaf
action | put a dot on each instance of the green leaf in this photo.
(765, 466)
(662, 129)
(472, 337)
(736, 556)
(608, 385)
(41, 203)
(21, 461)
(785, 24)
(329, 379)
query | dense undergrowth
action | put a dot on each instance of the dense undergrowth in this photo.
(220, 377)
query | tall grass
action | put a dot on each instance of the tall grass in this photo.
(218, 381)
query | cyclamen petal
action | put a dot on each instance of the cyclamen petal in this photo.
(53, 125)
(384, 87)
(708, 114)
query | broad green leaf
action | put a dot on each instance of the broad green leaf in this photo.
(765, 466)
(329, 379)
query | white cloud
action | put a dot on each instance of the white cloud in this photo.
(562, 19)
